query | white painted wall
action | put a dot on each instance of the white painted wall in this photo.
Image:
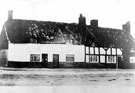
(21, 52)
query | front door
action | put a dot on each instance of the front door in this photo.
(44, 60)
(55, 60)
(119, 62)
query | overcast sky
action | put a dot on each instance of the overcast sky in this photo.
(110, 13)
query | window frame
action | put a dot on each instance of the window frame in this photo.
(94, 59)
(71, 57)
(111, 59)
(34, 57)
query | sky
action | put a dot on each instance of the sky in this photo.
(109, 13)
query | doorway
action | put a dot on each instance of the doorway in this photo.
(44, 60)
(119, 62)
(56, 60)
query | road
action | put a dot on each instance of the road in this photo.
(81, 80)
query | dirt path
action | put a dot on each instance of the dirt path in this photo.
(23, 80)
(66, 77)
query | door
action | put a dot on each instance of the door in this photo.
(44, 60)
(119, 62)
(55, 60)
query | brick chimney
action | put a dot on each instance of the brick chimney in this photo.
(126, 27)
(94, 23)
(82, 20)
(10, 15)
(82, 28)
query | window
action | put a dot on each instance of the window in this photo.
(111, 59)
(35, 57)
(94, 59)
(132, 59)
(69, 57)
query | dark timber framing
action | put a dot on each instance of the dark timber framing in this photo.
(88, 53)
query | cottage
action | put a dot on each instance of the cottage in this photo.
(31, 43)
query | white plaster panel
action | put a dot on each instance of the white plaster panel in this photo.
(87, 50)
(119, 52)
(102, 59)
(109, 51)
(96, 51)
(91, 50)
(102, 51)
(87, 58)
(113, 51)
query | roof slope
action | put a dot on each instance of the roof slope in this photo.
(31, 31)
(21, 31)
(109, 36)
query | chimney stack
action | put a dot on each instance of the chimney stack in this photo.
(126, 27)
(94, 23)
(82, 28)
(10, 15)
(82, 20)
